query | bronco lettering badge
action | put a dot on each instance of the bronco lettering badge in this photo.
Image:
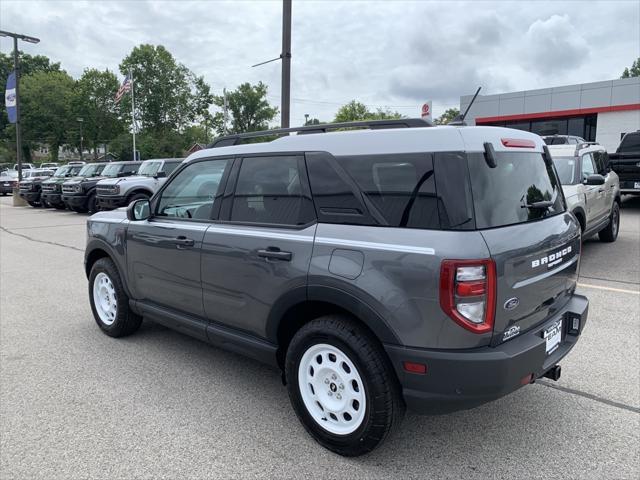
(552, 259)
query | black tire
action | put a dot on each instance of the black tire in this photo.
(125, 322)
(92, 204)
(137, 196)
(34, 204)
(79, 209)
(610, 232)
(60, 206)
(384, 407)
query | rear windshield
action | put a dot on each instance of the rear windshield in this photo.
(567, 169)
(515, 191)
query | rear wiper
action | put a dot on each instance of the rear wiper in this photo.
(545, 204)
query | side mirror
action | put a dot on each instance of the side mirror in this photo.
(139, 210)
(160, 174)
(594, 180)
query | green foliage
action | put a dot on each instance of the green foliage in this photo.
(249, 109)
(634, 71)
(168, 96)
(94, 102)
(448, 115)
(355, 111)
(46, 99)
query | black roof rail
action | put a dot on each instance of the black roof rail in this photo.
(235, 139)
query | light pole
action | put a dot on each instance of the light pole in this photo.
(16, 68)
(306, 119)
(81, 121)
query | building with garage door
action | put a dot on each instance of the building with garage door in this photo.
(598, 111)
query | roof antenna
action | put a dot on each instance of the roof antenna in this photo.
(459, 119)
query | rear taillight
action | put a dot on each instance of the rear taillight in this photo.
(468, 293)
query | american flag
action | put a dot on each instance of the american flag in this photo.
(124, 88)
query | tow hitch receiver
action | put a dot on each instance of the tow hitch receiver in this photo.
(553, 373)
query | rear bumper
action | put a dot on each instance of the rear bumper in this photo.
(31, 196)
(462, 379)
(112, 202)
(77, 201)
(52, 198)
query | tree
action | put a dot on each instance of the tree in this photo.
(448, 115)
(168, 96)
(47, 99)
(634, 71)
(249, 108)
(355, 111)
(29, 64)
(94, 102)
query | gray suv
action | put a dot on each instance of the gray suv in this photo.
(396, 265)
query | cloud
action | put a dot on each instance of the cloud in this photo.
(555, 44)
(394, 54)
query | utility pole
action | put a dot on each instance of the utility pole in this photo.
(225, 115)
(286, 64)
(16, 68)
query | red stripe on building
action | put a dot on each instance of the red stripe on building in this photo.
(558, 113)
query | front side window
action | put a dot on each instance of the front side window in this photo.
(269, 191)
(587, 166)
(169, 167)
(192, 193)
(567, 169)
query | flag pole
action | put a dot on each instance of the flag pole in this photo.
(133, 117)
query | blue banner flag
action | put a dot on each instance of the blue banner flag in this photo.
(10, 97)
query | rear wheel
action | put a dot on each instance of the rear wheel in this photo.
(34, 204)
(341, 386)
(610, 232)
(109, 301)
(59, 206)
(79, 209)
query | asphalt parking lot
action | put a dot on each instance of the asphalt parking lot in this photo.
(75, 403)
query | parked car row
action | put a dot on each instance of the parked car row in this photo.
(93, 186)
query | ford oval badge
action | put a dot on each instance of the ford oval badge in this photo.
(511, 303)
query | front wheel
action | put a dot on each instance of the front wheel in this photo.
(342, 386)
(610, 232)
(109, 301)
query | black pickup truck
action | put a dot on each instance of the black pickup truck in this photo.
(626, 163)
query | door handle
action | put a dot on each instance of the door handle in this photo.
(275, 253)
(183, 242)
(600, 190)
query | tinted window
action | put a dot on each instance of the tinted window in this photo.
(501, 194)
(455, 203)
(192, 193)
(401, 188)
(601, 160)
(336, 201)
(630, 143)
(566, 168)
(587, 166)
(269, 190)
(170, 167)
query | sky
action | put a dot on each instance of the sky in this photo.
(385, 54)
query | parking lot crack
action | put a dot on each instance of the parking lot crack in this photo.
(590, 396)
(70, 247)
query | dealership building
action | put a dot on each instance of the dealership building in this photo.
(599, 111)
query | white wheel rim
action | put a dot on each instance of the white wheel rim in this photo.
(331, 389)
(104, 298)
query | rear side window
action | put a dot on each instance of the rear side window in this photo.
(506, 194)
(269, 191)
(400, 188)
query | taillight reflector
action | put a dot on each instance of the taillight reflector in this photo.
(518, 143)
(469, 289)
(413, 367)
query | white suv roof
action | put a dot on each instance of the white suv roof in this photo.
(385, 141)
(574, 150)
